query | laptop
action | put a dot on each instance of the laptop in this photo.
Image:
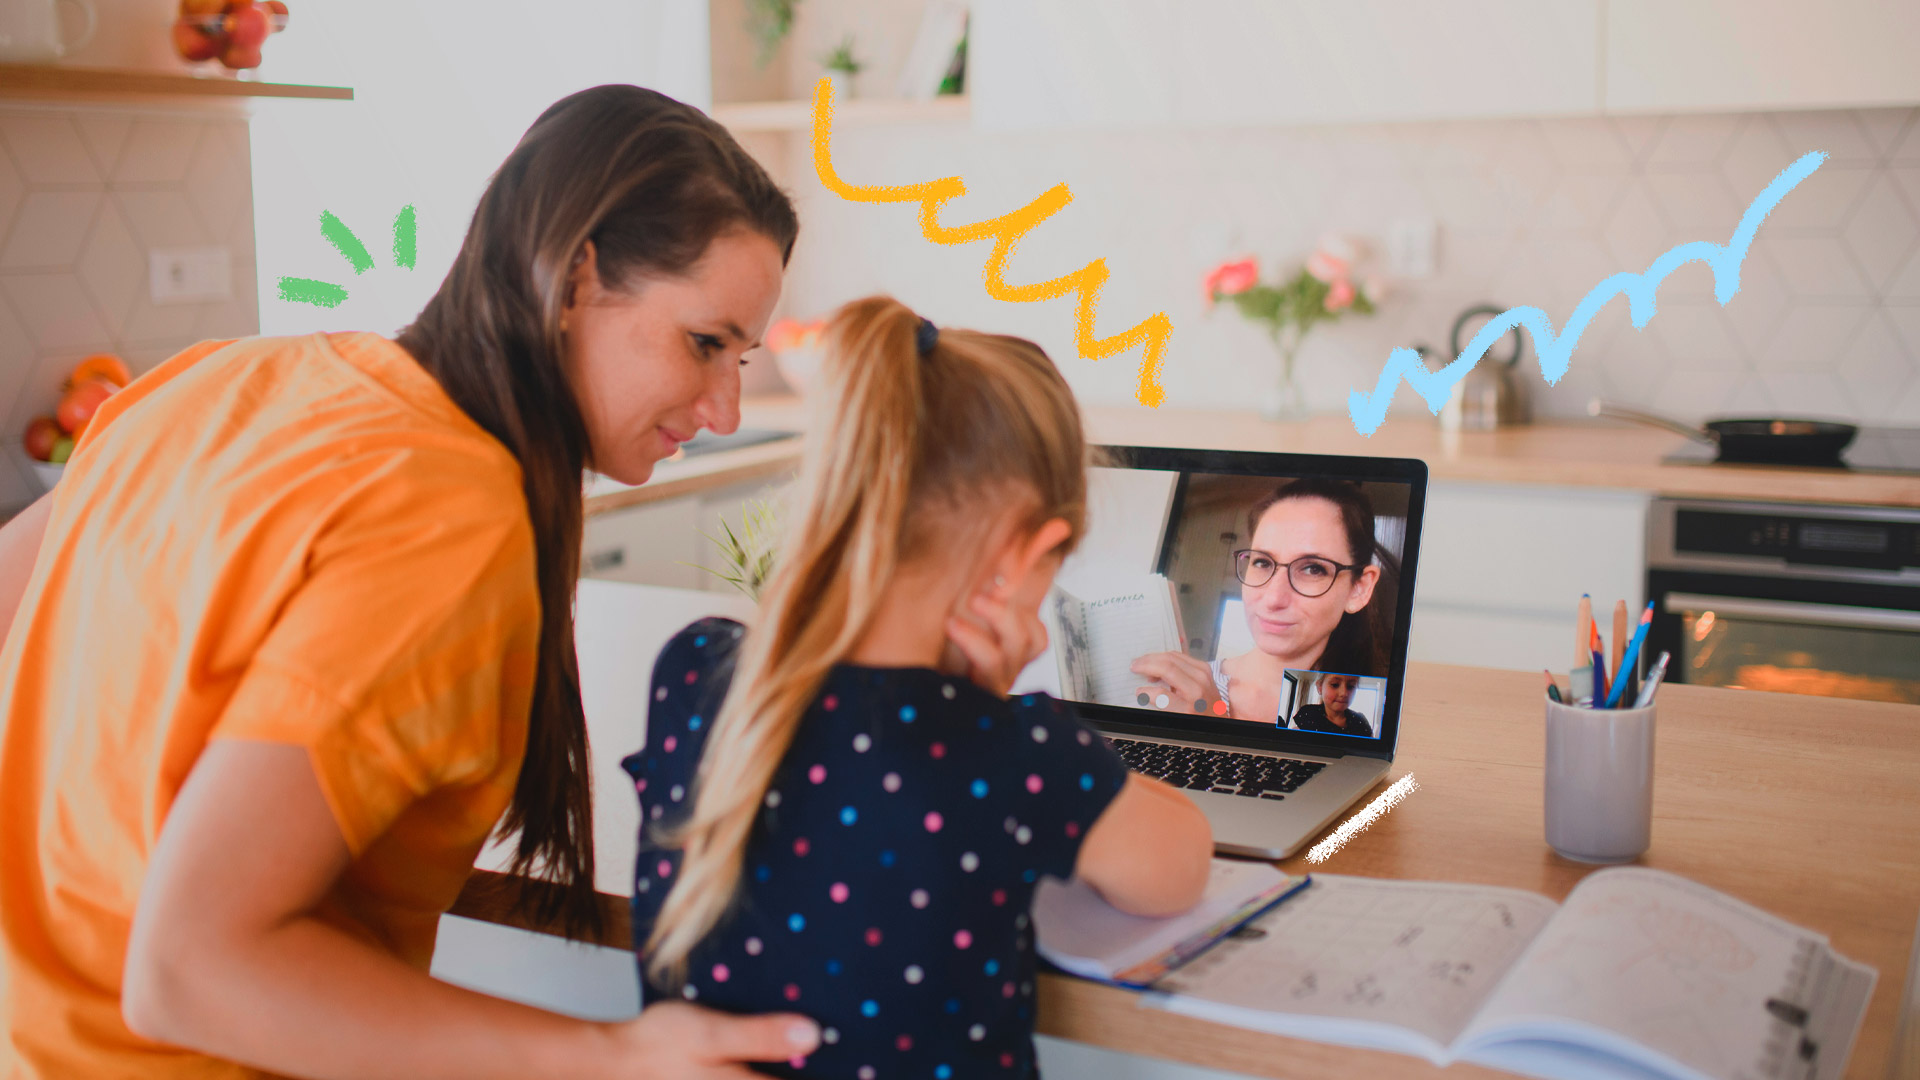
(1217, 626)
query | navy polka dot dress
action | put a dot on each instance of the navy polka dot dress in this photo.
(888, 878)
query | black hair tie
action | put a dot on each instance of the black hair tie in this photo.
(926, 336)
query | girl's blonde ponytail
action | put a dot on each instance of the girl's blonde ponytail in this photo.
(876, 454)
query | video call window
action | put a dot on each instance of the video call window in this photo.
(1228, 597)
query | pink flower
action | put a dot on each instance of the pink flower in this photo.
(1232, 278)
(1339, 294)
(1326, 267)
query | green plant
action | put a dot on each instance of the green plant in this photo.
(748, 554)
(769, 21)
(841, 58)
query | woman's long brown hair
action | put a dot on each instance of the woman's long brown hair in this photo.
(651, 182)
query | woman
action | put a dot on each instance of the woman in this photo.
(1332, 713)
(299, 636)
(1307, 582)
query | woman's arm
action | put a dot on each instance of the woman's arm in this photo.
(1150, 852)
(227, 959)
(19, 547)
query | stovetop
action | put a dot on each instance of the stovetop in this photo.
(1891, 451)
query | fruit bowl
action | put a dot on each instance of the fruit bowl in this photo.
(48, 474)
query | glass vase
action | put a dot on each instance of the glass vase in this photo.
(1284, 399)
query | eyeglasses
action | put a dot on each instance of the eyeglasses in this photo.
(1310, 575)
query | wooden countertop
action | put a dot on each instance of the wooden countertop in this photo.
(1803, 807)
(1604, 454)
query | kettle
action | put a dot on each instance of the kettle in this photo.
(1491, 395)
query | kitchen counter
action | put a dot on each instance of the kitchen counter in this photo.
(1599, 454)
(1821, 830)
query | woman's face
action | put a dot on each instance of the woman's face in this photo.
(654, 362)
(1336, 693)
(1284, 623)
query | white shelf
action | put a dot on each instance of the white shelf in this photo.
(797, 115)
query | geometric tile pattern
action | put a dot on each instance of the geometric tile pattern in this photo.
(1535, 212)
(85, 193)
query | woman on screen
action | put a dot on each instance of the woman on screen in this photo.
(1308, 578)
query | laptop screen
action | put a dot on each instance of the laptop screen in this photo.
(1264, 596)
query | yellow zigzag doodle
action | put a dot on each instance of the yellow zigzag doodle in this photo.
(1006, 231)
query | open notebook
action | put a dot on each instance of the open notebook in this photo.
(1640, 974)
(1084, 935)
(1099, 633)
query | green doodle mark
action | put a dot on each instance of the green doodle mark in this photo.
(302, 290)
(299, 290)
(405, 230)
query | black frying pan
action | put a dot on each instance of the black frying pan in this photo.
(1752, 442)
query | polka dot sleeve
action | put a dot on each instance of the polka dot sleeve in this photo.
(1068, 775)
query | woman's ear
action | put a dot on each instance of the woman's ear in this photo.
(583, 278)
(1363, 589)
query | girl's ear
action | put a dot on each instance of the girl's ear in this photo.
(1020, 556)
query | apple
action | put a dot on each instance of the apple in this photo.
(193, 43)
(81, 403)
(247, 28)
(40, 437)
(277, 14)
(62, 450)
(240, 59)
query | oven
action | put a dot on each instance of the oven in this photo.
(1787, 597)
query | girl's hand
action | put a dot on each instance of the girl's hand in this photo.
(674, 1039)
(997, 630)
(1187, 682)
(997, 640)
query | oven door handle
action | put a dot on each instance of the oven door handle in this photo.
(1853, 618)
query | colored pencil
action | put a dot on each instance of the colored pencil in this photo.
(1652, 686)
(1619, 636)
(1633, 651)
(1580, 684)
(1553, 690)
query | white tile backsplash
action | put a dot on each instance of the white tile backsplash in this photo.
(1533, 212)
(85, 193)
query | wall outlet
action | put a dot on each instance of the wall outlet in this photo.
(190, 275)
(1413, 248)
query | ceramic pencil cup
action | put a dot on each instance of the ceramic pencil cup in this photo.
(1599, 782)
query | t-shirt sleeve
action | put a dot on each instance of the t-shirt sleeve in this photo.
(1068, 774)
(404, 661)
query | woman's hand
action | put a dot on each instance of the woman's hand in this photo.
(674, 1039)
(1188, 683)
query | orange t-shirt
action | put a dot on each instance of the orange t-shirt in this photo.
(298, 540)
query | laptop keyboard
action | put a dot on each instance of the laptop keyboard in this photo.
(1227, 772)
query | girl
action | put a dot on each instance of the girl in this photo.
(855, 830)
(297, 635)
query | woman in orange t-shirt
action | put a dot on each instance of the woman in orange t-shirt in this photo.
(294, 636)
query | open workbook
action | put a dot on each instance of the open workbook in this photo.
(1640, 973)
(1099, 632)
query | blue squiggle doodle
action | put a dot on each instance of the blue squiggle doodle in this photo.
(1556, 350)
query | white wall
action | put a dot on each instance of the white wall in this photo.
(442, 90)
(1530, 212)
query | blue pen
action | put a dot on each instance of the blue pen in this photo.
(1626, 662)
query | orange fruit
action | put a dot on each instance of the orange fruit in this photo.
(104, 366)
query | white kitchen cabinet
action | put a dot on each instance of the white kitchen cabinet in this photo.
(662, 543)
(1146, 63)
(1502, 568)
(1696, 55)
